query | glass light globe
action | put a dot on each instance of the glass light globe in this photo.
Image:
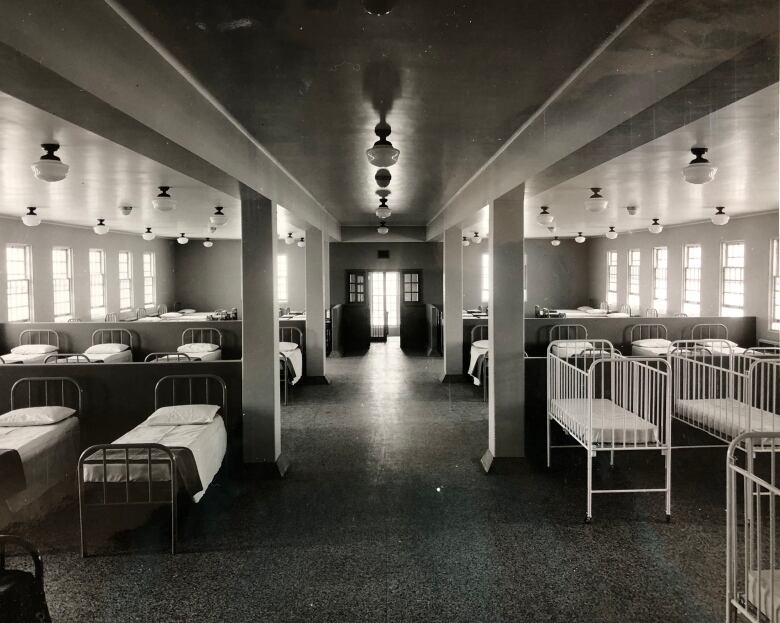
(164, 202)
(382, 154)
(218, 219)
(544, 217)
(182, 239)
(595, 203)
(289, 239)
(31, 219)
(101, 228)
(555, 242)
(302, 243)
(382, 229)
(720, 217)
(699, 171)
(208, 243)
(476, 238)
(655, 227)
(383, 212)
(465, 242)
(579, 239)
(612, 234)
(148, 234)
(50, 168)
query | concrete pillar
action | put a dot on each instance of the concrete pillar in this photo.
(506, 329)
(316, 249)
(453, 303)
(262, 439)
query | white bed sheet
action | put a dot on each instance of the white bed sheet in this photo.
(611, 423)
(17, 359)
(759, 591)
(649, 351)
(124, 356)
(207, 442)
(212, 355)
(478, 349)
(726, 415)
(295, 356)
(48, 453)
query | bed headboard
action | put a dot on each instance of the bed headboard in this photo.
(294, 333)
(60, 391)
(140, 312)
(56, 358)
(112, 336)
(187, 389)
(39, 336)
(625, 308)
(648, 332)
(175, 356)
(207, 335)
(111, 317)
(162, 308)
(651, 312)
(709, 332)
(568, 332)
(479, 332)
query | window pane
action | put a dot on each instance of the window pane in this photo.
(732, 279)
(281, 278)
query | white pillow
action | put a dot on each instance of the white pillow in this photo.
(653, 343)
(34, 349)
(171, 315)
(484, 344)
(180, 415)
(106, 349)
(571, 349)
(197, 347)
(35, 416)
(287, 347)
(596, 312)
(618, 315)
(187, 311)
(584, 308)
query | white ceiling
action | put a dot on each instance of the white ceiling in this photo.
(104, 176)
(742, 139)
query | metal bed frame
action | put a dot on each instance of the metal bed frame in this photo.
(752, 496)
(709, 331)
(162, 308)
(36, 336)
(651, 312)
(625, 308)
(147, 454)
(638, 386)
(208, 332)
(99, 337)
(284, 377)
(53, 390)
(67, 358)
(140, 312)
(561, 332)
(480, 332)
(162, 357)
(111, 317)
(648, 331)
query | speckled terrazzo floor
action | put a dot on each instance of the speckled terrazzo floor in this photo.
(386, 516)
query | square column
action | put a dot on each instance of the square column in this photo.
(316, 260)
(453, 304)
(506, 331)
(262, 439)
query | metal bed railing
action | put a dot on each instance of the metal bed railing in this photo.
(111, 317)
(112, 336)
(128, 460)
(567, 332)
(609, 403)
(292, 335)
(709, 331)
(625, 308)
(61, 391)
(207, 335)
(39, 336)
(67, 358)
(140, 312)
(163, 357)
(481, 332)
(162, 308)
(648, 331)
(651, 312)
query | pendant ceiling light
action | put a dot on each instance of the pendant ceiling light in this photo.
(612, 234)
(383, 178)
(544, 217)
(101, 227)
(552, 229)
(50, 168)
(164, 202)
(182, 239)
(383, 212)
(382, 229)
(212, 229)
(476, 238)
(125, 210)
(579, 238)
(218, 219)
(465, 242)
(378, 7)
(382, 154)
(699, 171)
(208, 243)
(148, 234)
(720, 217)
(289, 239)
(383, 192)
(302, 242)
(595, 203)
(31, 219)
(655, 227)
(555, 242)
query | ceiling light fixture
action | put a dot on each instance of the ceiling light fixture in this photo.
(720, 217)
(208, 243)
(383, 192)
(465, 242)
(632, 210)
(164, 202)
(552, 229)
(182, 239)
(218, 219)
(699, 171)
(31, 219)
(476, 238)
(289, 240)
(555, 242)
(579, 238)
(148, 234)
(383, 212)
(302, 242)
(125, 210)
(101, 228)
(50, 168)
(612, 234)
(212, 229)
(655, 227)
(382, 229)
(383, 178)
(544, 217)
(595, 203)
(382, 154)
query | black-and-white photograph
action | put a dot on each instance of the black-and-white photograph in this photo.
(409, 311)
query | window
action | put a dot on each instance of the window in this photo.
(732, 279)
(62, 281)
(774, 290)
(97, 284)
(412, 287)
(660, 279)
(18, 266)
(612, 268)
(281, 278)
(692, 280)
(125, 281)
(634, 260)
(525, 278)
(485, 278)
(150, 279)
(356, 286)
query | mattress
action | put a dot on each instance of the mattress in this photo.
(478, 351)
(295, 358)
(726, 415)
(36, 358)
(612, 424)
(764, 592)
(649, 351)
(124, 356)
(150, 319)
(212, 355)
(48, 453)
(206, 442)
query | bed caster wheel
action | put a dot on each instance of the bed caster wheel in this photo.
(668, 519)
(588, 519)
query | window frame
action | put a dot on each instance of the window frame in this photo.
(634, 299)
(661, 305)
(97, 311)
(126, 282)
(774, 284)
(484, 279)
(27, 279)
(149, 278)
(688, 305)
(67, 278)
(727, 310)
(611, 296)
(282, 278)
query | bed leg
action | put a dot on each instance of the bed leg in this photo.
(548, 440)
(668, 485)
(174, 522)
(612, 458)
(82, 512)
(589, 513)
